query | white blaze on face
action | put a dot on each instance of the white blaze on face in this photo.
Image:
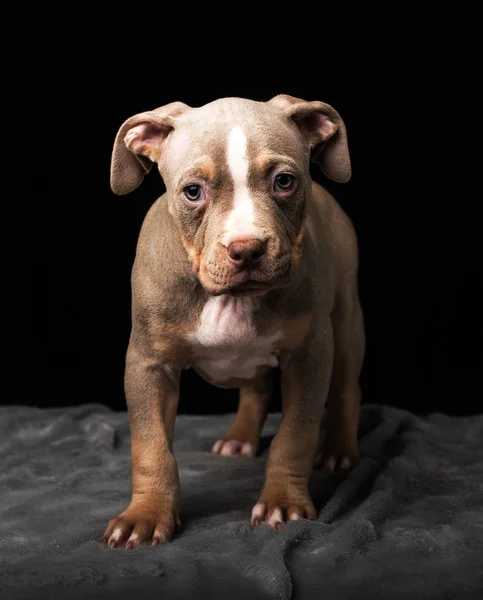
(240, 222)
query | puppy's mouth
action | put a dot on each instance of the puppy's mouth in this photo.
(254, 281)
(250, 288)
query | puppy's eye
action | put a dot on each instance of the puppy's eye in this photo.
(284, 182)
(194, 193)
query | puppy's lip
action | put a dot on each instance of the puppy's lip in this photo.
(250, 288)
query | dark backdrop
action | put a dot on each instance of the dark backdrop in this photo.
(72, 241)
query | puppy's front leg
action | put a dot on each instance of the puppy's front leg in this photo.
(305, 385)
(152, 398)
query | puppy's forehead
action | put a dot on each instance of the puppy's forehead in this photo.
(204, 133)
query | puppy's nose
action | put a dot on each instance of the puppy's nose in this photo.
(246, 253)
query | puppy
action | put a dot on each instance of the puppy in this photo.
(243, 265)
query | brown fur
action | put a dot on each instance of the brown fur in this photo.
(310, 263)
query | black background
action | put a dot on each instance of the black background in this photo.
(71, 241)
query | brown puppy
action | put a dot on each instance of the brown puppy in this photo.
(243, 265)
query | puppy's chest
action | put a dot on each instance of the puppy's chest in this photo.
(226, 344)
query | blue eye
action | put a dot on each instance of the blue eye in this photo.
(193, 193)
(284, 182)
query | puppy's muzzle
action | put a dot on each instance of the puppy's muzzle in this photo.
(245, 265)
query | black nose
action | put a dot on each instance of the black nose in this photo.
(246, 253)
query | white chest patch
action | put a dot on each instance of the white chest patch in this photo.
(226, 345)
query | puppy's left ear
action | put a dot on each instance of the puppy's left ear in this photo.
(323, 128)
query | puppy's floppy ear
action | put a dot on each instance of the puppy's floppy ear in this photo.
(324, 129)
(138, 144)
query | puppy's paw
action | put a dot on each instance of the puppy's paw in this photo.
(277, 509)
(229, 447)
(337, 455)
(142, 525)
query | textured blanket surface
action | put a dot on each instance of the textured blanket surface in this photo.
(406, 522)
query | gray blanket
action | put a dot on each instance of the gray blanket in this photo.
(407, 522)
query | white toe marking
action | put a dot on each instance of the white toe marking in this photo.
(240, 222)
(330, 463)
(217, 446)
(276, 517)
(116, 534)
(345, 463)
(230, 448)
(258, 511)
(248, 449)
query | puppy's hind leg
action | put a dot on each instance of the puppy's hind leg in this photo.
(243, 436)
(339, 448)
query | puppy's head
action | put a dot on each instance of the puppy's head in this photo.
(237, 179)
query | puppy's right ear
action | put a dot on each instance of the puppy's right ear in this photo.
(138, 145)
